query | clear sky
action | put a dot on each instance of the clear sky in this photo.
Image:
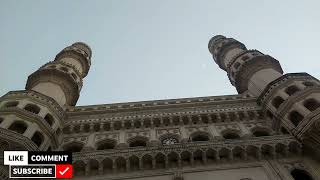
(148, 49)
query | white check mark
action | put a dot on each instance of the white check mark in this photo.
(63, 172)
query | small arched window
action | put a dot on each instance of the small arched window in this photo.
(32, 108)
(295, 117)
(308, 84)
(292, 90)
(230, 135)
(311, 104)
(200, 137)
(299, 174)
(64, 69)
(259, 132)
(74, 76)
(11, 104)
(236, 65)
(277, 101)
(245, 57)
(106, 144)
(49, 119)
(138, 142)
(37, 138)
(18, 126)
(73, 147)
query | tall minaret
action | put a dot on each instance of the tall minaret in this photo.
(61, 79)
(33, 119)
(291, 101)
(247, 69)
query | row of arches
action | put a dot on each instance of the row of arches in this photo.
(166, 139)
(33, 108)
(183, 158)
(311, 104)
(21, 127)
(162, 122)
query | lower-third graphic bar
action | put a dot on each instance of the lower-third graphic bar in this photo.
(33, 171)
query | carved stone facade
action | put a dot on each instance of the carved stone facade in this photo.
(270, 130)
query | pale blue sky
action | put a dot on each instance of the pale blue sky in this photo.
(148, 49)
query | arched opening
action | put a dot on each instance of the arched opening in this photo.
(166, 121)
(117, 125)
(49, 119)
(186, 158)
(134, 163)
(79, 168)
(237, 64)
(76, 128)
(185, 120)
(230, 134)
(267, 151)
(295, 117)
(173, 159)
(147, 123)
(94, 167)
(96, 127)
(224, 154)
(121, 164)
(176, 120)
(281, 150)
(37, 138)
(211, 155)
(106, 144)
(200, 136)
(156, 122)
(11, 104)
(86, 127)
(277, 101)
(294, 148)
(252, 152)
(147, 162)
(127, 124)
(259, 132)
(73, 147)
(204, 118)
(32, 108)
(160, 161)
(195, 119)
(107, 166)
(138, 142)
(74, 76)
(308, 84)
(106, 127)
(137, 124)
(238, 153)
(197, 157)
(64, 69)
(18, 126)
(292, 90)
(299, 174)
(311, 104)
